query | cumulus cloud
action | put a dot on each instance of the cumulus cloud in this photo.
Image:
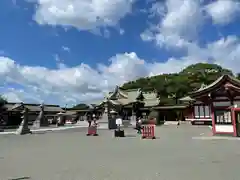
(82, 14)
(179, 22)
(223, 11)
(71, 84)
(80, 83)
(86, 84)
(177, 28)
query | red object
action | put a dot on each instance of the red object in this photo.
(92, 130)
(148, 131)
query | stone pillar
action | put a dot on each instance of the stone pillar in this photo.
(23, 128)
(60, 120)
(105, 114)
(40, 120)
(133, 117)
(1, 123)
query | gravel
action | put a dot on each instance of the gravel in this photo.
(71, 155)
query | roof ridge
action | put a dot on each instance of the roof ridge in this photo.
(129, 90)
(221, 78)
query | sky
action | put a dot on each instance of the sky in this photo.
(75, 51)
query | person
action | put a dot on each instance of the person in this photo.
(94, 118)
(89, 120)
(178, 124)
(139, 125)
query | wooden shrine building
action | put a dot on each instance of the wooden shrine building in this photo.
(217, 104)
(13, 117)
(123, 101)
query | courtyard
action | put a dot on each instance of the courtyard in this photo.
(71, 155)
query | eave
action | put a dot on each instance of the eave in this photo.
(215, 85)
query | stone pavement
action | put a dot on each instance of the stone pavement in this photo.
(71, 155)
(216, 138)
(53, 128)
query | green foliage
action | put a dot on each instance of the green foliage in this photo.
(81, 106)
(171, 87)
(153, 114)
(2, 102)
(238, 76)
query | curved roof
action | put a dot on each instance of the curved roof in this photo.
(215, 85)
(32, 107)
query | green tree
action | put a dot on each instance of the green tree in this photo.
(81, 106)
(203, 73)
(3, 101)
(177, 87)
(171, 87)
(238, 76)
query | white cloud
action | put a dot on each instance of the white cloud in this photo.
(82, 14)
(223, 11)
(121, 31)
(178, 29)
(80, 83)
(226, 52)
(179, 22)
(72, 85)
(65, 48)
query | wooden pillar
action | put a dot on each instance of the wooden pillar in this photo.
(233, 117)
(213, 118)
(234, 121)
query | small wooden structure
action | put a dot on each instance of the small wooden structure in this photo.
(217, 104)
(12, 115)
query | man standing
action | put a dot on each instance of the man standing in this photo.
(89, 119)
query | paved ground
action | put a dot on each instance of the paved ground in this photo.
(54, 128)
(70, 155)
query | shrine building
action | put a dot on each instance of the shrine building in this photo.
(217, 104)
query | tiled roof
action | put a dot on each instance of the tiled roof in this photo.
(33, 107)
(216, 83)
(186, 98)
(151, 99)
(151, 102)
(171, 107)
(125, 97)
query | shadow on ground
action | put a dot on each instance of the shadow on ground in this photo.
(21, 178)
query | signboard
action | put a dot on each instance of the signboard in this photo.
(119, 121)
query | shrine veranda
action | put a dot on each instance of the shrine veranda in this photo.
(70, 154)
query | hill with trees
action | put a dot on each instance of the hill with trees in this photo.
(171, 87)
(81, 106)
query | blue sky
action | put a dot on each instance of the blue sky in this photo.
(67, 52)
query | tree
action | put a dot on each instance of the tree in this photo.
(171, 87)
(3, 101)
(177, 87)
(81, 106)
(238, 76)
(203, 73)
